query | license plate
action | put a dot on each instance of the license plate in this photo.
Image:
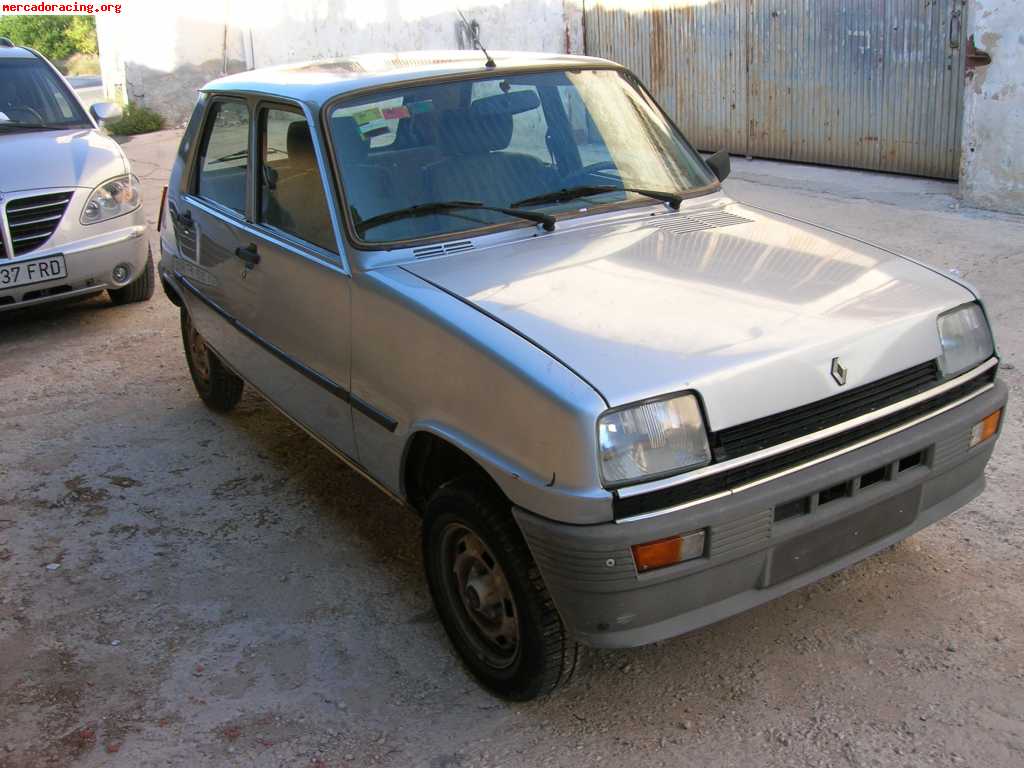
(35, 271)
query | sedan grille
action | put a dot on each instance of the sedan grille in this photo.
(33, 220)
(797, 422)
(625, 507)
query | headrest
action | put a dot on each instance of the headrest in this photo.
(348, 140)
(463, 132)
(300, 144)
(506, 103)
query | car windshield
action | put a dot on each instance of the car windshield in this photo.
(551, 142)
(33, 97)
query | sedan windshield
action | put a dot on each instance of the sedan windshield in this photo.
(32, 97)
(549, 142)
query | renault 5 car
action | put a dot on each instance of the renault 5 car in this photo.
(510, 293)
(71, 219)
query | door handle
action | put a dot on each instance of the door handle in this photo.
(249, 255)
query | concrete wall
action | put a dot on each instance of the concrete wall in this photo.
(992, 169)
(157, 55)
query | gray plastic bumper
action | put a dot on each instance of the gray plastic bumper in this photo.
(749, 557)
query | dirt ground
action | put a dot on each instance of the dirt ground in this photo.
(183, 588)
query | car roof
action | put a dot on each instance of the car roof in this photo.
(16, 52)
(319, 81)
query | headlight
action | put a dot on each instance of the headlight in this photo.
(966, 339)
(652, 439)
(112, 198)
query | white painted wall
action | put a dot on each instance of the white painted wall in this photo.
(992, 169)
(158, 54)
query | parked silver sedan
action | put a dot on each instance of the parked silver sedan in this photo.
(511, 294)
(71, 221)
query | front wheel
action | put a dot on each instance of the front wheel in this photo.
(217, 386)
(490, 595)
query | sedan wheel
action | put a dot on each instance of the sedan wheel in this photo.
(216, 384)
(490, 595)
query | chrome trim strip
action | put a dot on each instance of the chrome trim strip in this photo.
(5, 233)
(352, 464)
(812, 462)
(382, 419)
(750, 458)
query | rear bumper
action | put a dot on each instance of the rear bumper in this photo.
(90, 263)
(750, 558)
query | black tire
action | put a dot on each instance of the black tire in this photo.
(219, 388)
(139, 289)
(544, 654)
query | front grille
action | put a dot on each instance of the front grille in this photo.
(724, 481)
(33, 220)
(781, 427)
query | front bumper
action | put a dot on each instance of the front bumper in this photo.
(90, 262)
(750, 557)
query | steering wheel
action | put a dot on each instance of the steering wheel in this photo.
(8, 110)
(574, 179)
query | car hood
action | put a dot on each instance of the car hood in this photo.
(746, 307)
(46, 159)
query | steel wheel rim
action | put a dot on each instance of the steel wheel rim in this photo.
(479, 593)
(199, 354)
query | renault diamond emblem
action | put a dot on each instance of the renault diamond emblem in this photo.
(838, 371)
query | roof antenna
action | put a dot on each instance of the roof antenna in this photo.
(475, 35)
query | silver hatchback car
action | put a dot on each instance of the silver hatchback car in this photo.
(71, 219)
(512, 295)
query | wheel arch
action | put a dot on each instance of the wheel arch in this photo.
(431, 459)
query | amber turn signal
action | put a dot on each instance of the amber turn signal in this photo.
(986, 428)
(665, 552)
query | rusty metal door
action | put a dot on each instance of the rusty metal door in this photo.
(875, 84)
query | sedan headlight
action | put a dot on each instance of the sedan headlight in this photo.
(652, 439)
(966, 339)
(111, 199)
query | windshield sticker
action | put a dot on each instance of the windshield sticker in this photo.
(395, 113)
(375, 128)
(367, 116)
(419, 107)
(4, 117)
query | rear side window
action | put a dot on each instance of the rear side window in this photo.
(224, 159)
(292, 195)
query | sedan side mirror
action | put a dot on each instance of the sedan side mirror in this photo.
(720, 164)
(104, 111)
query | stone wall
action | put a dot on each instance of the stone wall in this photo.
(992, 169)
(158, 55)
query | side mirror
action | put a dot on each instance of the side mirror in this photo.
(104, 111)
(720, 164)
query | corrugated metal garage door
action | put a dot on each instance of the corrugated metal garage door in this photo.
(874, 84)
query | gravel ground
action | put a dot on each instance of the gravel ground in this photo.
(183, 588)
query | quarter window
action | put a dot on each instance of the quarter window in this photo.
(292, 195)
(224, 161)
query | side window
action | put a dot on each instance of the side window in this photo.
(224, 159)
(291, 189)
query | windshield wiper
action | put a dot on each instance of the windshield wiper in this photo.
(565, 195)
(425, 209)
(32, 126)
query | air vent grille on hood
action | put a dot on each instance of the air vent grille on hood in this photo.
(442, 249)
(684, 223)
